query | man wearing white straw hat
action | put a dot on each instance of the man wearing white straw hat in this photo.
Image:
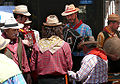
(22, 15)
(111, 46)
(9, 70)
(78, 31)
(15, 49)
(94, 68)
(52, 55)
(29, 35)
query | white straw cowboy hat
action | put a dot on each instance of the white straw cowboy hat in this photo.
(52, 20)
(12, 23)
(70, 9)
(114, 17)
(90, 40)
(3, 42)
(21, 9)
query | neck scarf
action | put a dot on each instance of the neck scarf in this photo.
(77, 25)
(52, 44)
(99, 53)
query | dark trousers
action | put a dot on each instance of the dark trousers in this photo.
(51, 79)
(76, 64)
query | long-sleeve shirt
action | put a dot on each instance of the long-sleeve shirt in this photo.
(84, 30)
(13, 48)
(57, 63)
(93, 70)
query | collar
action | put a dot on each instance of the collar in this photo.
(108, 30)
(77, 25)
(52, 44)
(99, 53)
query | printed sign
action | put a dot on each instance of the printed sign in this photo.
(86, 1)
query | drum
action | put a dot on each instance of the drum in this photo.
(112, 46)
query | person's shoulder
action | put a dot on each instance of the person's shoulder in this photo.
(89, 57)
(85, 25)
(66, 45)
(101, 33)
(35, 30)
(1, 55)
(4, 57)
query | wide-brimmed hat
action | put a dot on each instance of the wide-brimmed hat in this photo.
(3, 42)
(21, 9)
(70, 9)
(12, 23)
(52, 20)
(89, 40)
(27, 21)
(114, 17)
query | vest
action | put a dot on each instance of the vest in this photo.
(19, 52)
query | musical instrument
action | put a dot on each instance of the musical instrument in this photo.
(72, 37)
(112, 46)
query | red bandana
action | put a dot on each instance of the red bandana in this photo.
(77, 25)
(99, 53)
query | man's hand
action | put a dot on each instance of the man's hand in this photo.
(72, 74)
(26, 42)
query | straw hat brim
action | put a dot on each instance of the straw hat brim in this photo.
(87, 42)
(5, 44)
(52, 24)
(14, 27)
(65, 14)
(22, 13)
(28, 22)
(117, 20)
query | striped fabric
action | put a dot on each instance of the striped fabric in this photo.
(18, 79)
(93, 70)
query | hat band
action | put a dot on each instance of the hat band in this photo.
(21, 12)
(70, 11)
(11, 25)
(3, 44)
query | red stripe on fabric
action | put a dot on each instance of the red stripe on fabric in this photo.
(70, 11)
(77, 25)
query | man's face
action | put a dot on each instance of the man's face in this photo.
(115, 25)
(21, 18)
(71, 18)
(11, 33)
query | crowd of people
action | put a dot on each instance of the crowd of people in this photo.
(62, 54)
